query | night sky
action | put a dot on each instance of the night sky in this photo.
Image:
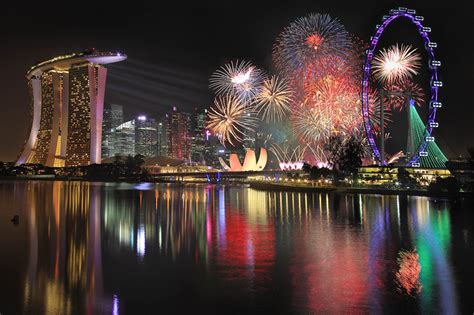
(173, 49)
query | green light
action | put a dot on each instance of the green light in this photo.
(435, 157)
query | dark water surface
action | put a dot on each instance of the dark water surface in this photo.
(106, 248)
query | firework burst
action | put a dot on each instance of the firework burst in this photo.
(274, 99)
(229, 119)
(288, 153)
(308, 38)
(409, 89)
(396, 63)
(240, 78)
(338, 101)
(375, 110)
(347, 66)
(311, 124)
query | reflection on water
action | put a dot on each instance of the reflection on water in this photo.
(86, 248)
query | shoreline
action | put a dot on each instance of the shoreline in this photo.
(265, 186)
(356, 190)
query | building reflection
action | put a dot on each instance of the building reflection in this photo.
(158, 220)
(64, 273)
(334, 253)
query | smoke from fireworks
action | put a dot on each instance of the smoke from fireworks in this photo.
(273, 100)
(229, 118)
(396, 63)
(308, 38)
(240, 78)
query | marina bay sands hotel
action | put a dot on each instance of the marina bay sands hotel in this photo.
(66, 110)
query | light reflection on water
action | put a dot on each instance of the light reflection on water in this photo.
(126, 248)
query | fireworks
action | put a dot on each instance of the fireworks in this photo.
(229, 119)
(337, 102)
(288, 153)
(396, 63)
(375, 111)
(240, 78)
(318, 90)
(308, 38)
(273, 100)
(407, 89)
(310, 124)
(347, 66)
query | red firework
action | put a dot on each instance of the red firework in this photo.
(406, 89)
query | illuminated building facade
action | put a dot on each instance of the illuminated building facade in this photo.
(250, 162)
(67, 109)
(146, 136)
(163, 136)
(179, 146)
(198, 136)
(113, 117)
(122, 139)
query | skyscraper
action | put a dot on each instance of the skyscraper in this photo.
(113, 117)
(179, 140)
(163, 136)
(146, 136)
(197, 135)
(122, 139)
(67, 107)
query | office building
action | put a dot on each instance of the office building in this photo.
(122, 139)
(146, 136)
(197, 134)
(113, 117)
(179, 141)
(163, 136)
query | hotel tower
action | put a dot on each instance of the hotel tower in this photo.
(67, 94)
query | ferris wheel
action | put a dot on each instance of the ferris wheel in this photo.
(434, 104)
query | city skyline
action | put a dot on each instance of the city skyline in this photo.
(191, 59)
(306, 157)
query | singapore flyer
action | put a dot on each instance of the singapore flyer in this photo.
(402, 62)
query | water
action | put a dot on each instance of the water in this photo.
(106, 248)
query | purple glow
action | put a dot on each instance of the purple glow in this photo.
(115, 310)
(141, 118)
(141, 240)
(365, 84)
